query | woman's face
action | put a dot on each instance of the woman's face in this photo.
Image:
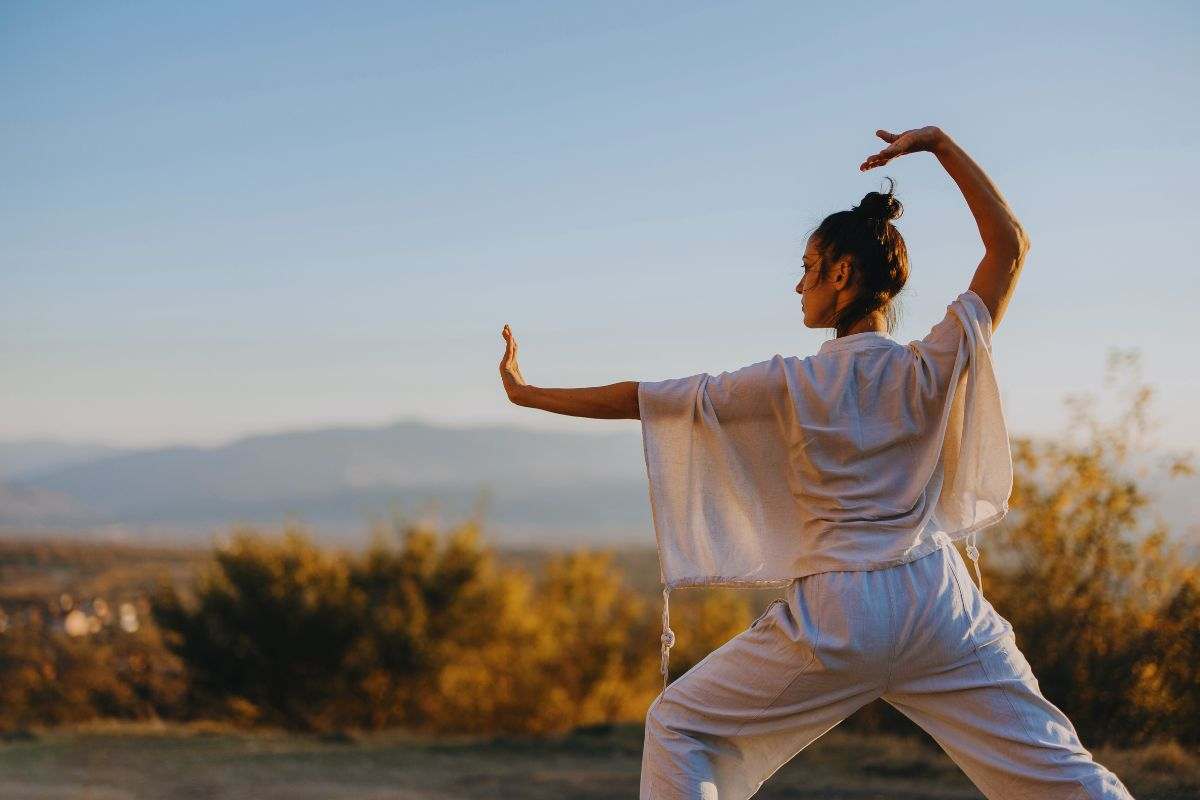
(819, 298)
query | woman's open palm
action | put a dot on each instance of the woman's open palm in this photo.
(917, 140)
(510, 372)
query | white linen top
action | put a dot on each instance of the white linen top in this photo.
(858, 457)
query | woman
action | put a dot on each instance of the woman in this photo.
(846, 476)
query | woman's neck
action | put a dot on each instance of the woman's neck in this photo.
(873, 323)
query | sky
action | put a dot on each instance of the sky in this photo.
(224, 218)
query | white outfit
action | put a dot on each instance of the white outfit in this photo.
(845, 476)
(919, 635)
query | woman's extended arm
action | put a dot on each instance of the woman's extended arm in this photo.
(1004, 240)
(614, 401)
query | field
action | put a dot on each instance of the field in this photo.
(139, 761)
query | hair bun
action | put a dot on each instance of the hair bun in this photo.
(881, 207)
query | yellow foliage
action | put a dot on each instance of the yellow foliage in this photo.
(1088, 585)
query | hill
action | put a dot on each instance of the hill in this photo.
(534, 486)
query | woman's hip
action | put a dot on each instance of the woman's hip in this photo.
(929, 606)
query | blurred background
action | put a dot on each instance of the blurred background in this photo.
(261, 491)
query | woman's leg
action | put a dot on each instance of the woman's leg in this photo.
(729, 723)
(970, 687)
(990, 716)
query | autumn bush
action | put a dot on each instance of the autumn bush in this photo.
(50, 678)
(427, 633)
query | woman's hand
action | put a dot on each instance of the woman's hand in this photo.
(510, 372)
(917, 140)
(614, 401)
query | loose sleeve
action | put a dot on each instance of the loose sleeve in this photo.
(717, 463)
(954, 363)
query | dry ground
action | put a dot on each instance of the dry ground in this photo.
(137, 761)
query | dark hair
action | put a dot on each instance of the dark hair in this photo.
(879, 257)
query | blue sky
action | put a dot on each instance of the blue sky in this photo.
(219, 218)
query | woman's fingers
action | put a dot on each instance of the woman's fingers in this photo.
(512, 343)
(508, 347)
(879, 159)
(895, 148)
(509, 361)
(510, 373)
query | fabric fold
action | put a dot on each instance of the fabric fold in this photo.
(865, 455)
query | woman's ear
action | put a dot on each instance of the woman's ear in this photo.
(841, 272)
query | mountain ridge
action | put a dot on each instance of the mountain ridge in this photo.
(338, 478)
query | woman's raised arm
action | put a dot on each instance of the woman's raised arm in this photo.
(1004, 240)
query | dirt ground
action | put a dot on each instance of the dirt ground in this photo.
(133, 762)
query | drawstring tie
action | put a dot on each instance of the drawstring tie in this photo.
(668, 635)
(973, 554)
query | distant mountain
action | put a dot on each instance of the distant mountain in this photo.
(535, 486)
(26, 458)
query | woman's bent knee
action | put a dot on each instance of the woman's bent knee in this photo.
(1104, 785)
(674, 765)
(655, 724)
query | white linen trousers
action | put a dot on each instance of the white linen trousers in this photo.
(921, 636)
